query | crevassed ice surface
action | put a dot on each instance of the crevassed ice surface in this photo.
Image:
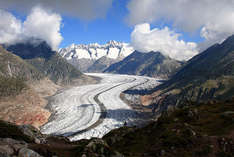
(75, 109)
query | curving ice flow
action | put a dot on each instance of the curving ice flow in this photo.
(78, 114)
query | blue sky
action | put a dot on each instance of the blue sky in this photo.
(180, 29)
(111, 27)
(102, 30)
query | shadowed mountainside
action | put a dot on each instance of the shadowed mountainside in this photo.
(207, 76)
(152, 64)
(46, 61)
(101, 64)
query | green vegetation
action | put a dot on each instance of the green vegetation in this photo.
(10, 86)
(193, 131)
(207, 76)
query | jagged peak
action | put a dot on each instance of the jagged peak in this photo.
(111, 43)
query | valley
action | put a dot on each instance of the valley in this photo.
(105, 78)
(94, 110)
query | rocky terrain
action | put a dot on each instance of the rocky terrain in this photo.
(29, 73)
(95, 57)
(152, 64)
(196, 130)
(207, 76)
(187, 132)
(26, 140)
(47, 62)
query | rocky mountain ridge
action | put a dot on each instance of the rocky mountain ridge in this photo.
(29, 73)
(83, 56)
(207, 76)
(153, 64)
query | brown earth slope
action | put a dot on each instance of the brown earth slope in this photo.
(28, 75)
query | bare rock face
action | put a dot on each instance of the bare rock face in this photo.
(6, 150)
(25, 152)
(15, 140)
(27, 141)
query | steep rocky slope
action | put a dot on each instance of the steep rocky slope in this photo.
(84, 56)
(13, 66)
(207, 76)
(20, 100)
(152, 64)
(29, 73)
(46, 61)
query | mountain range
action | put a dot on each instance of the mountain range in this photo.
(86, 57)
(208, 76)
(200, 89)
(120, 58)
(29, 73)
(153, 64)
(46, 61)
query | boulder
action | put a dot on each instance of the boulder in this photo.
(25, 152)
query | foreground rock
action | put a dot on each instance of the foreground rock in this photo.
(26, 140)
(206, 130)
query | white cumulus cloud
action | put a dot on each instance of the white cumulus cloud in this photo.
(39, 24)
(43, 25)
(163, 40)
(214, 18)
(10, 27)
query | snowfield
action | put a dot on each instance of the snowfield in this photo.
(94, 110)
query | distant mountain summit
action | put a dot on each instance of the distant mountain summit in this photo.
(84, 56)
(153, 64)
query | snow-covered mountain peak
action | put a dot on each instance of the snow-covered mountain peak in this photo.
(94, 51)
(113, 43)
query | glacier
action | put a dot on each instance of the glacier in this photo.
(77, 115)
